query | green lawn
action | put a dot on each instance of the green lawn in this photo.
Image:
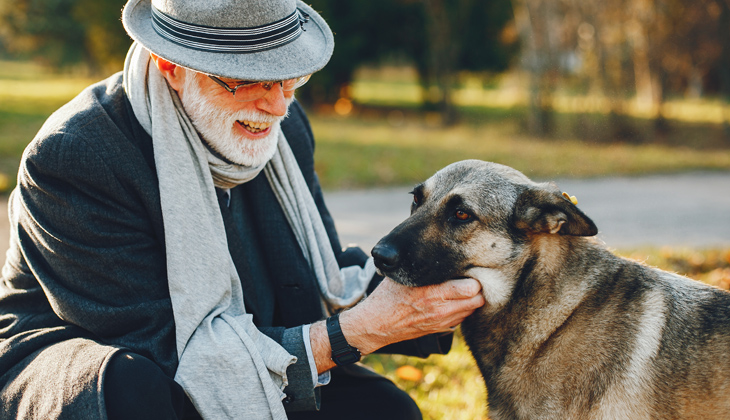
(365, 151)
(28, 95)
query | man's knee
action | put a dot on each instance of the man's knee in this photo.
(364, 395)
(135, 387)
(398, 404)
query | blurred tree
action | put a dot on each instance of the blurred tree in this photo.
(105, 39)
(723, 25)
(539, 31)
(619, 67)
(65, 32)
(461, 35)
(439, 38)
(363, 32)
(675, 44)
(649, 50)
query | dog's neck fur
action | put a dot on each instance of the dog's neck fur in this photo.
(551, 269)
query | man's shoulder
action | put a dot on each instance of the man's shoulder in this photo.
(93, 108)
(98, 120)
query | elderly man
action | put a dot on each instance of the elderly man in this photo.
(171, 254)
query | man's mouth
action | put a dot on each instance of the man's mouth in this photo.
(254, 127)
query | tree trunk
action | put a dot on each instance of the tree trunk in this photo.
(724, 32)
(441, 59)
(531, 18)
(661, 125)
(642, 73)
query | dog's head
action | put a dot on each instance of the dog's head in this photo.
(472, 219)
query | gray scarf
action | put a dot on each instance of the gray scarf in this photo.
(226, 365)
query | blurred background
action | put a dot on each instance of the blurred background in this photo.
(551, 87)
(555, 88)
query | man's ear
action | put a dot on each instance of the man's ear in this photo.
(542, 211)
(174, 74)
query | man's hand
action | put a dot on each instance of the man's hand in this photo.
(394, 313)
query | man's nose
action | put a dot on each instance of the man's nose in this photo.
(274, 102)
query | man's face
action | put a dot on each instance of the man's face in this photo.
(245, 133)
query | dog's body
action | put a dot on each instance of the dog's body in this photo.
(569, 330)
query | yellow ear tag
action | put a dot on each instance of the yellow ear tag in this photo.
(571, 198)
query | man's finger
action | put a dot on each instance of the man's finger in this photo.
(462, 288)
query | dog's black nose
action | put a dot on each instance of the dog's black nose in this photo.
(385, 256)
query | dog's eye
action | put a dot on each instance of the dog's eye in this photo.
(462, 215)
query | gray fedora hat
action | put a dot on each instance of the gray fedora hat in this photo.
(238, 39)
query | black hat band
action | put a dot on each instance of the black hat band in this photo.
(230, 40)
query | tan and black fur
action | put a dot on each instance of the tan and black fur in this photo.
(569, 330)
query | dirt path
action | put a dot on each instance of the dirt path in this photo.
(691, 210)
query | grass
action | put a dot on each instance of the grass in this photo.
(449, 387)
(364, 152)
(446, 387)
(28, 95)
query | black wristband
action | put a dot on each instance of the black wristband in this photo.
(342, 352)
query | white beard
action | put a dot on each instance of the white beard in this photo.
(216, 126)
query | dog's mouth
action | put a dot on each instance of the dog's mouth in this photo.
(397, 276)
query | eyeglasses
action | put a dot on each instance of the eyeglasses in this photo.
(250, 91)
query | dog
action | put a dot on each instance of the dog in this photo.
(569, 330)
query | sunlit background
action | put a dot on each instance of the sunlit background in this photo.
(554, 88)
(416, 84)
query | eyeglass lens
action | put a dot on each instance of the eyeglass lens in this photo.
(253, 91)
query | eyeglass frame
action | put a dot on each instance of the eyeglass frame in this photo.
(267, 85)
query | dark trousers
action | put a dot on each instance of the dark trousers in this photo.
(356, 393)
(136, 388)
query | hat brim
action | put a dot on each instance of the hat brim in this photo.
(305, 55)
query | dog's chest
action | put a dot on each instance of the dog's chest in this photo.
(535, 366)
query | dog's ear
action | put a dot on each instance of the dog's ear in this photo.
(542, 211)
